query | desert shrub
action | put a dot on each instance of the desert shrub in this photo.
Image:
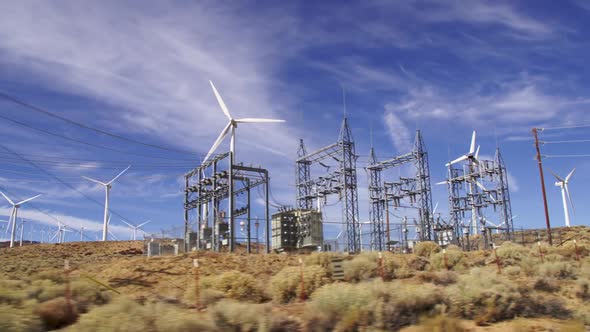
(323, 259)
(438, 277)
(440, 323)
(560, 270)
(12, 291)
(569, 250)
(19, 318)
(286, 285)
(511, 254)
(426, 248)
(45, 290)
(235, 316)
(361, 267)
(583, 289)
(123, 314)
(512, 271)
(546, 284)
(235, 285)
(454, 258)
(487, 295)
(536, 304)
(56, 276)
(57, 313)
(87, 294)
(382, 306)
(207, 296)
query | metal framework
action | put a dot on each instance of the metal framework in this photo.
(207, 188)
(341, 181)
(414, 192)
(479, 194)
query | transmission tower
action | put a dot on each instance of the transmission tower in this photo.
(341, 180)
(406, 192)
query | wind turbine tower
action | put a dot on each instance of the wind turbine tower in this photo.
(13, 215)
(107, 188)
(563, 184)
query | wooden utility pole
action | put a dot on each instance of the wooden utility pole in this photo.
(539, 161)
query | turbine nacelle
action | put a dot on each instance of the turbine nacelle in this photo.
(472, 155)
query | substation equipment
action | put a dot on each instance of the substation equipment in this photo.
(479, 202)
(404, 193)
(220, 192)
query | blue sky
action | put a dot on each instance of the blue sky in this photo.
(142, 71)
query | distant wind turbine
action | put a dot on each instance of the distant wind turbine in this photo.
(563, 184)
(107, 188)
(135, 228)
(15, 208)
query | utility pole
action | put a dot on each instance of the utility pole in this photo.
(539, 161)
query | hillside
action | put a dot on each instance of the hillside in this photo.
(547, 287)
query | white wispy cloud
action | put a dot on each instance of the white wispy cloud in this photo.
(397, 130)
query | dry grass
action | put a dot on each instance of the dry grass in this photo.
(285, 286)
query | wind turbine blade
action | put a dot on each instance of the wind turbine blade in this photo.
(104, 184)
(116, 177)
(255, 120)
(567, 178)
(220, 101)
(435, 207)
(491, 223)
(8, 199)
(218, 141)
(569, 197)
(28, 199)
(472, 147)
(128, 224)
(460, 159)
(442, 182)
(143, 223)
(56, 233)
(556, 176)
(477, 153)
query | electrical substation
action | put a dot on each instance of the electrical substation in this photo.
(401, 194)
(221, 194)
(479, 199)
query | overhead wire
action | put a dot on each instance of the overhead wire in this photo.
(65, 183)
(81, 125)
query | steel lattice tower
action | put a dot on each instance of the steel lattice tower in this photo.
(504, 196)
(424, 200)
(303, 173)
(415, 190)
(342, 181)
(349, 194)
(377, 203)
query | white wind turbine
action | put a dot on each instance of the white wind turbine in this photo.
(135, 228)
(61, 233)
(471, 155)
(13, 215)
(231, 125)
(563, 184)
(107, 188)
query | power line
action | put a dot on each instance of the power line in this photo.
(562, 142)
(567, 156)
(566, 127)
(81, 125)
(85, 143)
(65, 183)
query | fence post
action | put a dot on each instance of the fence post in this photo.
(498, 263)
(446, 259)
(577, 251)
(196, 272)
(381, 270)
(541, 252)
(68, 291)
(302, 295)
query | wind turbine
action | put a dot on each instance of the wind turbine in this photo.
(231, 125)
(13, 215)
(135, 228)
(471, 155)
(107, 188)
(563, 184)
(61, 233)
